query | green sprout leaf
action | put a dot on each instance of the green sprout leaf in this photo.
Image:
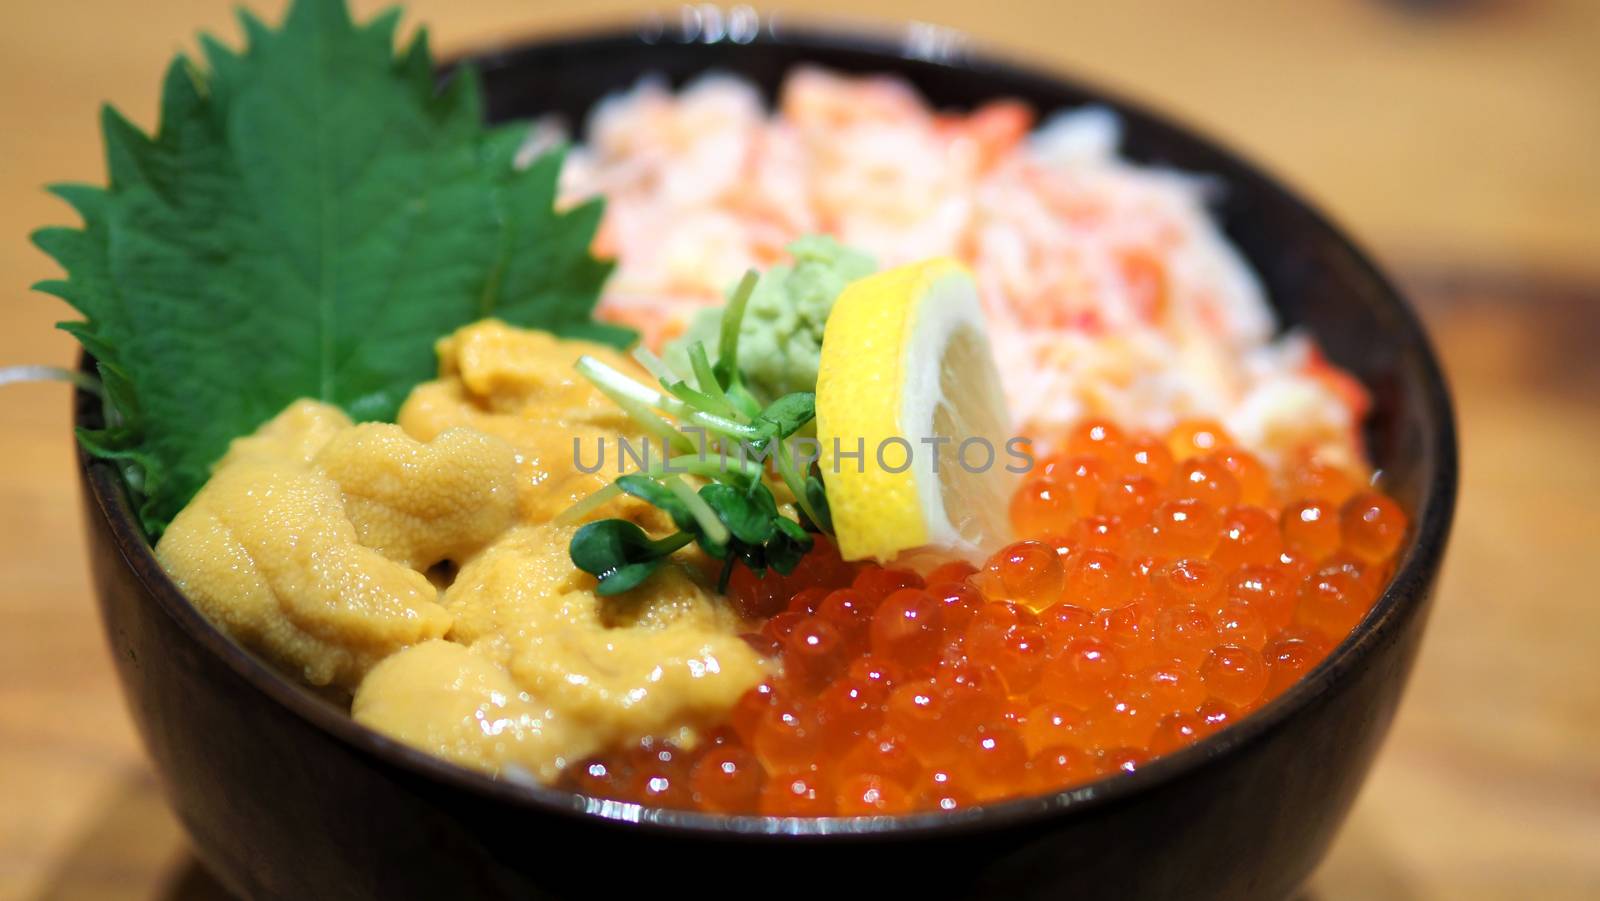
(659, 496)
(750, 516)
(817, 496)
(788, 414)
(794, 531)
(620, 554)
(783, 553)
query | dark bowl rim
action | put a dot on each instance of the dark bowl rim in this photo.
(1416, 569)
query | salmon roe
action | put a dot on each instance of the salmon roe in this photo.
(1161, 588)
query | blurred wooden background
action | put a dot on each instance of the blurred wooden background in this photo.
(1457, 139)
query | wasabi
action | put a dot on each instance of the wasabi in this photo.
(780, 340)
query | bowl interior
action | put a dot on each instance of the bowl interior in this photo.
(1314, 276)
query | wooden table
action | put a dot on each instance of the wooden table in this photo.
(1461, 145)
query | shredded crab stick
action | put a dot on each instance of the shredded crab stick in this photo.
(1107, 288)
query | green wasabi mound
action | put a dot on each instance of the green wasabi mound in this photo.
(780, 339)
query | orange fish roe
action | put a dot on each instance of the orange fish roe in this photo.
(1162, 588)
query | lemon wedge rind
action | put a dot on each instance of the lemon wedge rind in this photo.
(906, 376)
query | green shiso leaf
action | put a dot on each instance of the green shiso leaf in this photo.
(309, 217)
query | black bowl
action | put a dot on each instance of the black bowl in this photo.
(285, 796)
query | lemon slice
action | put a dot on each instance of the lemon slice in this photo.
(911, 419)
